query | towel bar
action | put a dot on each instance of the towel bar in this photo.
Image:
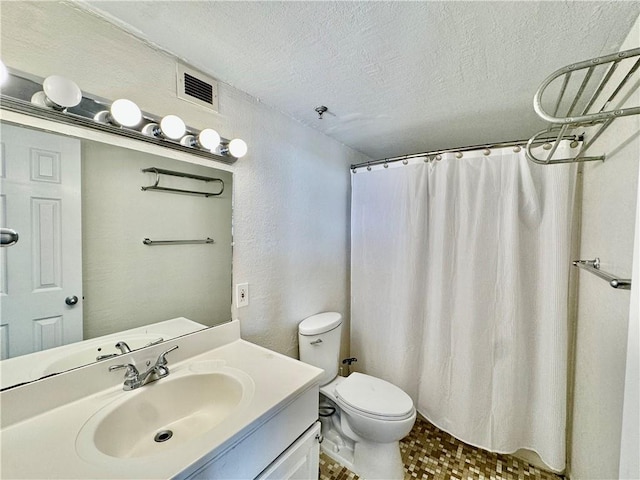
(148, 241)
(593, 266)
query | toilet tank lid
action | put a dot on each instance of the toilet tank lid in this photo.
(320, 323)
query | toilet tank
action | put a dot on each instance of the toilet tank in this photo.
(319, 343)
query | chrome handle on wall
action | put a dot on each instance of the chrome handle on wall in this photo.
(8, 237)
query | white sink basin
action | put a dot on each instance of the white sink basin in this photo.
(165, 414)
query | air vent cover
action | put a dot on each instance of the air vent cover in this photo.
(196, 87)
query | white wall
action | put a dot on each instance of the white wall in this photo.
(291, 209)
(630, 439)
(608, 219)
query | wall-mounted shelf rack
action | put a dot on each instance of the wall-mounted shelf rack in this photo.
(150, 242)
(593, 266)
(161, 171)
(581, 101)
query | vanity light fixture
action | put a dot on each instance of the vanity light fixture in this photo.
(57, 93)
(123, 113)
(236, 147)
(208, 139)
(55, 96)
(171, 127)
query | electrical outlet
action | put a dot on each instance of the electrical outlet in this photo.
(242, 295)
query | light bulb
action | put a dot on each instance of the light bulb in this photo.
(209, 138)
(62, 91)
(4, 73)
(152, 129)
(126, 113)
(237, 148)
(173, 127)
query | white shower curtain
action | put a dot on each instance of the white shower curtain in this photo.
(459, 293)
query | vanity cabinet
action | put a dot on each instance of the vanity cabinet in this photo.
(300, 461)
(283, 446)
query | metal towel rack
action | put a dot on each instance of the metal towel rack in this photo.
(576, 81)
(150, 242)
(161, 171)
(593, 266)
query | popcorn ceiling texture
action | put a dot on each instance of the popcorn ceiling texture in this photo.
(398, 77)
(291, 204)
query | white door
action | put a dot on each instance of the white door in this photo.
(42, 273)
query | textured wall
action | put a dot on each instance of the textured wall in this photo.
(608, 219)
(291, 209)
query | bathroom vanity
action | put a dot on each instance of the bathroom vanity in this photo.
(228, 409)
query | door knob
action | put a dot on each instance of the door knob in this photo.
(8, 237)
(71, 301)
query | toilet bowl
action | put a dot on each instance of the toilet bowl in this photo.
(363, 417)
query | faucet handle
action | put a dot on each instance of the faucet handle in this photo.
(162, 359)
(132, 371)
(155, 342)
(104, 357)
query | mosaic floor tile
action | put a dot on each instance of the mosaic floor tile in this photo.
(430, 453)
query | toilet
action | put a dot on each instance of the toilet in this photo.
(363, 417)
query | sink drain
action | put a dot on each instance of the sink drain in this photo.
(163, 436)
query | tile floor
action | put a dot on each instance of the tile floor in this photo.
(429, 453)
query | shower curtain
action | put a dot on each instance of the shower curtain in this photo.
(460, 273)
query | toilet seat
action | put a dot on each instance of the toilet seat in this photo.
(373, 397)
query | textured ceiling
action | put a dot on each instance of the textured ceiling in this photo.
(398, 77)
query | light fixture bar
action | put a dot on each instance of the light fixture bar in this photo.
(16, 94)
(11, 104)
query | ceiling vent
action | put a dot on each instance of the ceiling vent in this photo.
(196, 87)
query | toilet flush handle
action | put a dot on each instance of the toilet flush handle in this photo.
(316, 342)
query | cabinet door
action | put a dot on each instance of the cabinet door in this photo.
(298, 462)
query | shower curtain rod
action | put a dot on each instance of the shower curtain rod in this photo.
(512, 143)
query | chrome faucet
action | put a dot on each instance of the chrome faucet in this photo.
(124, 348)
(134, 379)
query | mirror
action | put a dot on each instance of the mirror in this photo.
(97, 254)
